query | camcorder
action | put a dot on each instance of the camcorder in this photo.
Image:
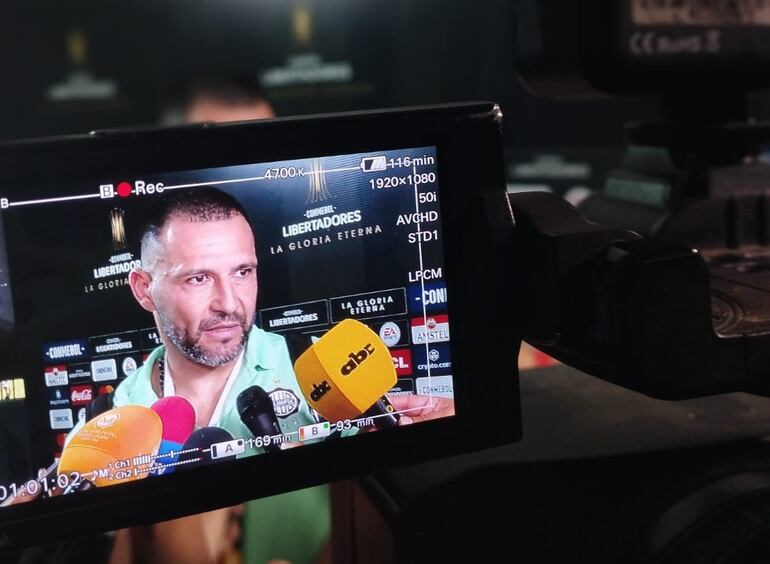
(671, 255)
(360, 283)
(657, 284)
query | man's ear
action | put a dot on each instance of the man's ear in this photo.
(140, 280)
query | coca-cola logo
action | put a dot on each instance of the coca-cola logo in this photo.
(81, 395)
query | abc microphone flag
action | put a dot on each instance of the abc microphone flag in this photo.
(114, 447)
(346, 373)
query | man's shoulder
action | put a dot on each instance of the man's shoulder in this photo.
(266, 350)
(258, 335)
(137, 387)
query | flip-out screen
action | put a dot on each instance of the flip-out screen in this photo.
(193, 317)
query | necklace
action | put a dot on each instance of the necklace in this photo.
(161, 374)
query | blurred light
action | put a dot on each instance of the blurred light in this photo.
(303, 26)
(12, 390)
(76, 47)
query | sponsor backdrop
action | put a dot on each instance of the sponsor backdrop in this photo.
(337, 237)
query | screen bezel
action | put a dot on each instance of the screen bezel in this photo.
(476, 228)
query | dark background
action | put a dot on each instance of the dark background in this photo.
(400, 52)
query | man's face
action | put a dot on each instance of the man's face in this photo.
(205, 109)
(204, 287)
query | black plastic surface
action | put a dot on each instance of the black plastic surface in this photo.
(476, 221)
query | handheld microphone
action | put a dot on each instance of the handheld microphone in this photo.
(115, 447)
(345, 374)
(81, 485)
(178, 418)
(258, 414)
(203, 447)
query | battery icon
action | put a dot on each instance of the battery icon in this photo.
(373, 164)
(317, 431)
(228, 448)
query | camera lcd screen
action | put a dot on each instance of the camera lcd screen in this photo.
(163, 321)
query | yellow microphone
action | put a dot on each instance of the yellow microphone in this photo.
(115, 447)
(345, 374)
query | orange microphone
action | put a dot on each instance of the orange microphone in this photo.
(115, 447)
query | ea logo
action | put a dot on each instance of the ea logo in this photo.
(390, 334)
(356, 359)
(320, 390)
(129, 366)
(107, 420)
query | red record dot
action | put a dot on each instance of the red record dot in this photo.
(124, 189)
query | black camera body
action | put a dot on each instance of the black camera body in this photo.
(631, 47)
(684, 270)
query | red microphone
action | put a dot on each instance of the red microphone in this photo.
(178, 418)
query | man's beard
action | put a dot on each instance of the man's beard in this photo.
(189, 345)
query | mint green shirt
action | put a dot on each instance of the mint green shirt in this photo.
(304, 514)
(266, 363)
